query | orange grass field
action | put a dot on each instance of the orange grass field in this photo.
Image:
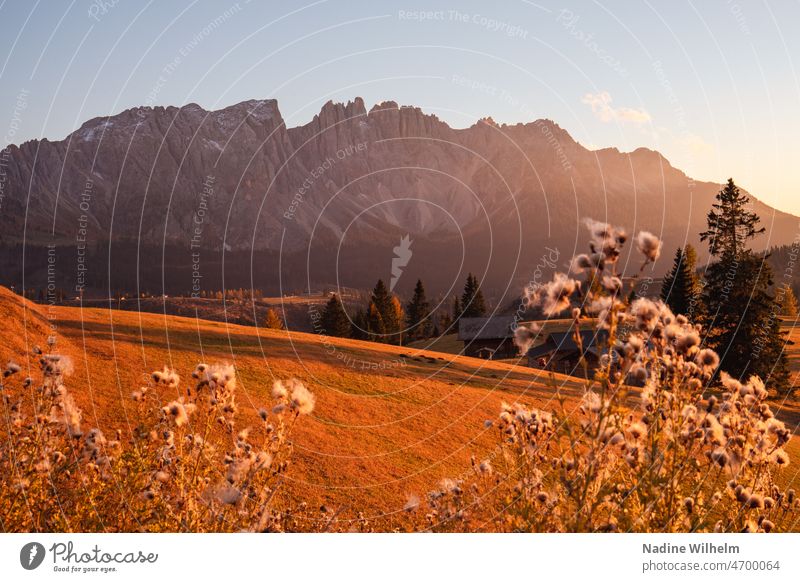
(389, 421)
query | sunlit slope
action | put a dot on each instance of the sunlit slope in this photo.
(389, 421)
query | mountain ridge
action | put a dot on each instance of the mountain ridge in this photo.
(344, 187)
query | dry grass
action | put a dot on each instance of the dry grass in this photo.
(377, 434)
(389, 421)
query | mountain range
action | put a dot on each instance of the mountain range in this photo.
(156, 196)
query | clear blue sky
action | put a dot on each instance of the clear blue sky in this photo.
(713, 84)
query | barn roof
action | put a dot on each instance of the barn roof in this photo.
(483, 328)
(565, 342)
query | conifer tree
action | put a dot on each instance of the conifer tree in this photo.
(381, 297)
(445, 324)
(418, 313)
(334, 318)
(457, 311)
(740, 312)
(680, 289)
(383, 301)
(360, 326)
(472, 300)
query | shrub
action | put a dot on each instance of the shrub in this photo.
(187, 465)
(679, 454)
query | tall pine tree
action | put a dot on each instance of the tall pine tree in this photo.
(444, 324)
(472, 301)
(334, 318)
(740, 318)
(680, 289)
(391, 319)
(360, 326)
(418, 311)
(457, 311)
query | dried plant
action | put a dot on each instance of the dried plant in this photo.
(186, 465)
(680, 454)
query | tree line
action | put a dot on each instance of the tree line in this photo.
(735, 297)
(385, 319)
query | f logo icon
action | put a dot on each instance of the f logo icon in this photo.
(31, 555)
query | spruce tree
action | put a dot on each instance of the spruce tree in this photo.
(472, 298)
(445, 324)
(457, 311)
(680, 289)
(360, 326)
(418, 313)
(382, 299)
(334, 318)
(740, 317)
(730, 224)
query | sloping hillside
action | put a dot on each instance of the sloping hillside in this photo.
(389, 421)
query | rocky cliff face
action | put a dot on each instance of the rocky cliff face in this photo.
(347, 185)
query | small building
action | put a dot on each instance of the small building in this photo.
(490, 338)
(560, 353)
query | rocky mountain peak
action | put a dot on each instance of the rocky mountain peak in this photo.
(486, 186)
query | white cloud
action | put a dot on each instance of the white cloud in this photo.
(603, 110)
(695, 144)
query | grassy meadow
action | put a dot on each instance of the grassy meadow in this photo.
(389, 424)
(389, 421)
